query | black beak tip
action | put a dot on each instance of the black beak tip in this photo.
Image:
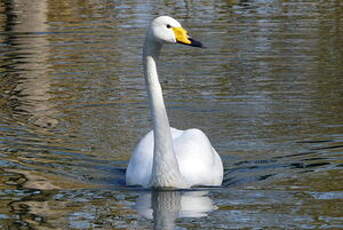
(196, 43)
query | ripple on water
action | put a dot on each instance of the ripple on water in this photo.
(267, 91)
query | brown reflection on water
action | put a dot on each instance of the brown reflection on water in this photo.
(58, 207)
(28, 62)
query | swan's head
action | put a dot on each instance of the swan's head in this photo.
(165, 29)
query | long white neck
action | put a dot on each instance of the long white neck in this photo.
(165, 169)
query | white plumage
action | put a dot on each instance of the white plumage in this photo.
(167, 157)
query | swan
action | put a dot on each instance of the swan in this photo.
(167, 157)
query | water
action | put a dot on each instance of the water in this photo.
(267, 91)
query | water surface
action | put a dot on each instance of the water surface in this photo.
(267, 91)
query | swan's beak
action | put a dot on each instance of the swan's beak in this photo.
(182, 37)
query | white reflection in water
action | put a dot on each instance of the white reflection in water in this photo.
(164, 207)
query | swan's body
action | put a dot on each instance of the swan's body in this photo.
(168, 157)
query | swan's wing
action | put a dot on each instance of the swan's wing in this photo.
(140, 166)
(199, 163)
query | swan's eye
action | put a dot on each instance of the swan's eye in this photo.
(168, 26)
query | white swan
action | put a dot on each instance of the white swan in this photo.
(168, 157)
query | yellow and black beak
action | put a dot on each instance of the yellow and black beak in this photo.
(182, 37)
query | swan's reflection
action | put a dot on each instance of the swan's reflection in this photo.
(165, 206)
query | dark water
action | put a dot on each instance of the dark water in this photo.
(268, 91)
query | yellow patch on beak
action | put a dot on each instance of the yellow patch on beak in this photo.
(181, 35)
